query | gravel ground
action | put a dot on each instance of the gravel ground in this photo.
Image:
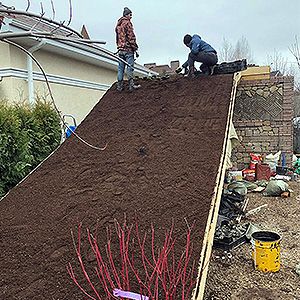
(232, 275)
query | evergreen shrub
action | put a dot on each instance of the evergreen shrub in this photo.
(27, 136)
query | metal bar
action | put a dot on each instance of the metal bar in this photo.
(18, 12)
(42, 34)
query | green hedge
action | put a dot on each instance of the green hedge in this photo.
(27, 136)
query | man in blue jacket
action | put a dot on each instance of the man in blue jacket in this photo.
(201, 52)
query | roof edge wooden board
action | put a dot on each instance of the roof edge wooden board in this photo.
(198, 292)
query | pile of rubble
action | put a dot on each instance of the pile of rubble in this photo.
(265, 177)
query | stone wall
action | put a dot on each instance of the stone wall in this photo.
(262, 117)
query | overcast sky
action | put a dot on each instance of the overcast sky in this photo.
(268, 25)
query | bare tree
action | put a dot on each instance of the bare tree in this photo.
(226, 51)
(282, 66)
(295, 50)
(241, 50)
(277, 62)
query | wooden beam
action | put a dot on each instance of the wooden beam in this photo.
(198, 292)
(256, 73)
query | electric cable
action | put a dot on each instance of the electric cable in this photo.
(51, 95)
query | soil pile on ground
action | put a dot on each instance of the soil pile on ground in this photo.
(164, 144)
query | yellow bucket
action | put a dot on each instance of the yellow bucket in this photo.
(266, 251)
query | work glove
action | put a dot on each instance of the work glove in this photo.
(178, 70)
(137, 54)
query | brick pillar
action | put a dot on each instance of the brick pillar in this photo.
(287, 118)
(174, 64)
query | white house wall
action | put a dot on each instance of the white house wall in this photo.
(77, 86)
(5, 56)
(68, 67)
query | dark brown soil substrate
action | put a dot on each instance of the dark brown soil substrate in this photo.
(164, 146)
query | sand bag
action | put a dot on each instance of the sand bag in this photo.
(272, 161)
(238, 187)
(275, 188)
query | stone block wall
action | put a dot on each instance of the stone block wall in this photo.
(262, 117)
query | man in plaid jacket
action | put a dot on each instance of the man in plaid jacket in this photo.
(127, 48)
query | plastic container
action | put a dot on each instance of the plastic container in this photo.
(266, 251)
(283, 170)
(262, 172)
(235, 175)
(249, 175)
(255, 159)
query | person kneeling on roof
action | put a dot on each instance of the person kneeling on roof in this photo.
(201, 52)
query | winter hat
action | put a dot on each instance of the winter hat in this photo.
(187, 38)
(126, 11)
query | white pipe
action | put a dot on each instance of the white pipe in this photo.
(30, 70)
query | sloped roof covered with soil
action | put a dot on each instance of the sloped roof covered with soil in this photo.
(164, 144)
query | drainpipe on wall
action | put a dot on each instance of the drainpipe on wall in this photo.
(30, 70)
